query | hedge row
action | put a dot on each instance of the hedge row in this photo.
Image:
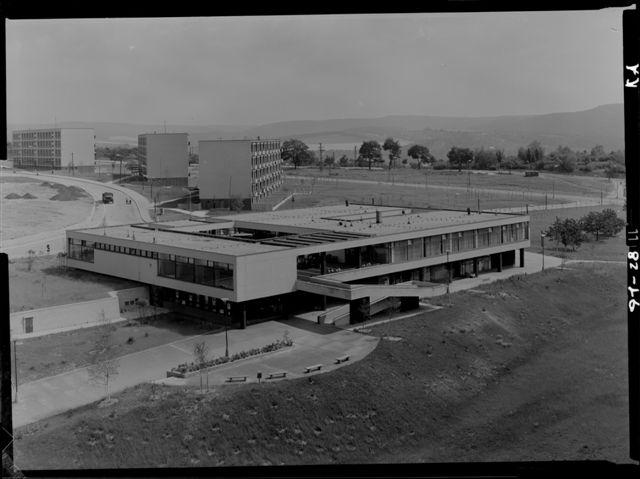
(276, 345)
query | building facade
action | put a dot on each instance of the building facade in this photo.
(247, 170)
(54, 148)
(165, 157)
(278, 261)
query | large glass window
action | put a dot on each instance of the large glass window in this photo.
(415, 249)
(81, 250)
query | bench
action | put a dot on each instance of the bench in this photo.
(277, 375)
(315, 367)
(342, 359)
(237, 379)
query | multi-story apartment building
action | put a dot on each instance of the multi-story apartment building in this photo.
(261, 263)
(165, 157)
(248, 170)
(54, 148)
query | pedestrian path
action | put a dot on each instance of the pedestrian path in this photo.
(53, 395)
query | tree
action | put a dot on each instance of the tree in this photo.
(102, 366)
(394, 149)
(532, 155)
(370, 151)
(200, 352)
(613, 169)
(31, 257)
(295, 151)
(460, 157)
(611, 224)
(420, 153)
(484, 159)
(329, 161)
(343, 161)
(592, 224)
(568, 232)
(499, 158)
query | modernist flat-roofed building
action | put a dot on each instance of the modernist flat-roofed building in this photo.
(249, 170)
(166, 156)
(257, 262)
(54, 148)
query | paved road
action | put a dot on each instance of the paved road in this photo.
(48, 396)
(116, 213)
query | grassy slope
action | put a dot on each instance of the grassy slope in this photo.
(452, 389)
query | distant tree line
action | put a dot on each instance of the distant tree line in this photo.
(532, 157)
(572, 233)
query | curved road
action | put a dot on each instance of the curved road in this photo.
(111, 214)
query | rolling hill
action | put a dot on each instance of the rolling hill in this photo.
(602, 125)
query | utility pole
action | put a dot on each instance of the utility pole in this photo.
(542, 243)
(321, 150)
(354, 155)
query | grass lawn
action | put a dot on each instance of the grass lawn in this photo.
(55, 353)
(323, 193)
(516, 182)
(608, 249)
(529, 368)
(49, 284)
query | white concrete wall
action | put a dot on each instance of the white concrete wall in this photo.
(221, 163)
(65, 317)
(167, 155)
(263, 275)
(79, 141)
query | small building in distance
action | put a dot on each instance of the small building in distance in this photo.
(165, 157)
(54, 149)
(245, 170)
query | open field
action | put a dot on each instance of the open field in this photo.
(161, 193)
(608, 249)
(56, 353)
(49, 284)
(516, 182)
(530, 368)
(23, 217)
(327, 193)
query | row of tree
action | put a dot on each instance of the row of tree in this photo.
(533, 156)
(571, 233)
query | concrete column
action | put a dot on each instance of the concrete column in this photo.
(239, 314)
(409, 303)
(323, 302)
(522, 257)
(359, 310)
(323, 262)
(475, 266)
(499, 261)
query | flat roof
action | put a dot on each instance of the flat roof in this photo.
(181, 239)
(362, 219)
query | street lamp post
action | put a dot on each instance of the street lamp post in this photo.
(448, 277)
(542, 235)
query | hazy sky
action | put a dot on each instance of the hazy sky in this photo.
(254, 70)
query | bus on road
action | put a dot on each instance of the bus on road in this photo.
(107, 198)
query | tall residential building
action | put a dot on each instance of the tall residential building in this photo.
(249, 170)
(54, 148)
(165, 155)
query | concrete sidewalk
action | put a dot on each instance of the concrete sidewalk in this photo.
(48, 396)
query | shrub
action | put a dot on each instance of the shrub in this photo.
(276, 345)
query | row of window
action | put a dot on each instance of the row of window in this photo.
(257, 146)
(193, 270)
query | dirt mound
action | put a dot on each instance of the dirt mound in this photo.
(28, 196)
(67, 193)
(46, 183)
(12, 196)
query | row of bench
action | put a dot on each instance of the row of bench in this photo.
(308, 369)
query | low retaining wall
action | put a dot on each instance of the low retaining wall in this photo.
(66, 317)
(37, 322)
